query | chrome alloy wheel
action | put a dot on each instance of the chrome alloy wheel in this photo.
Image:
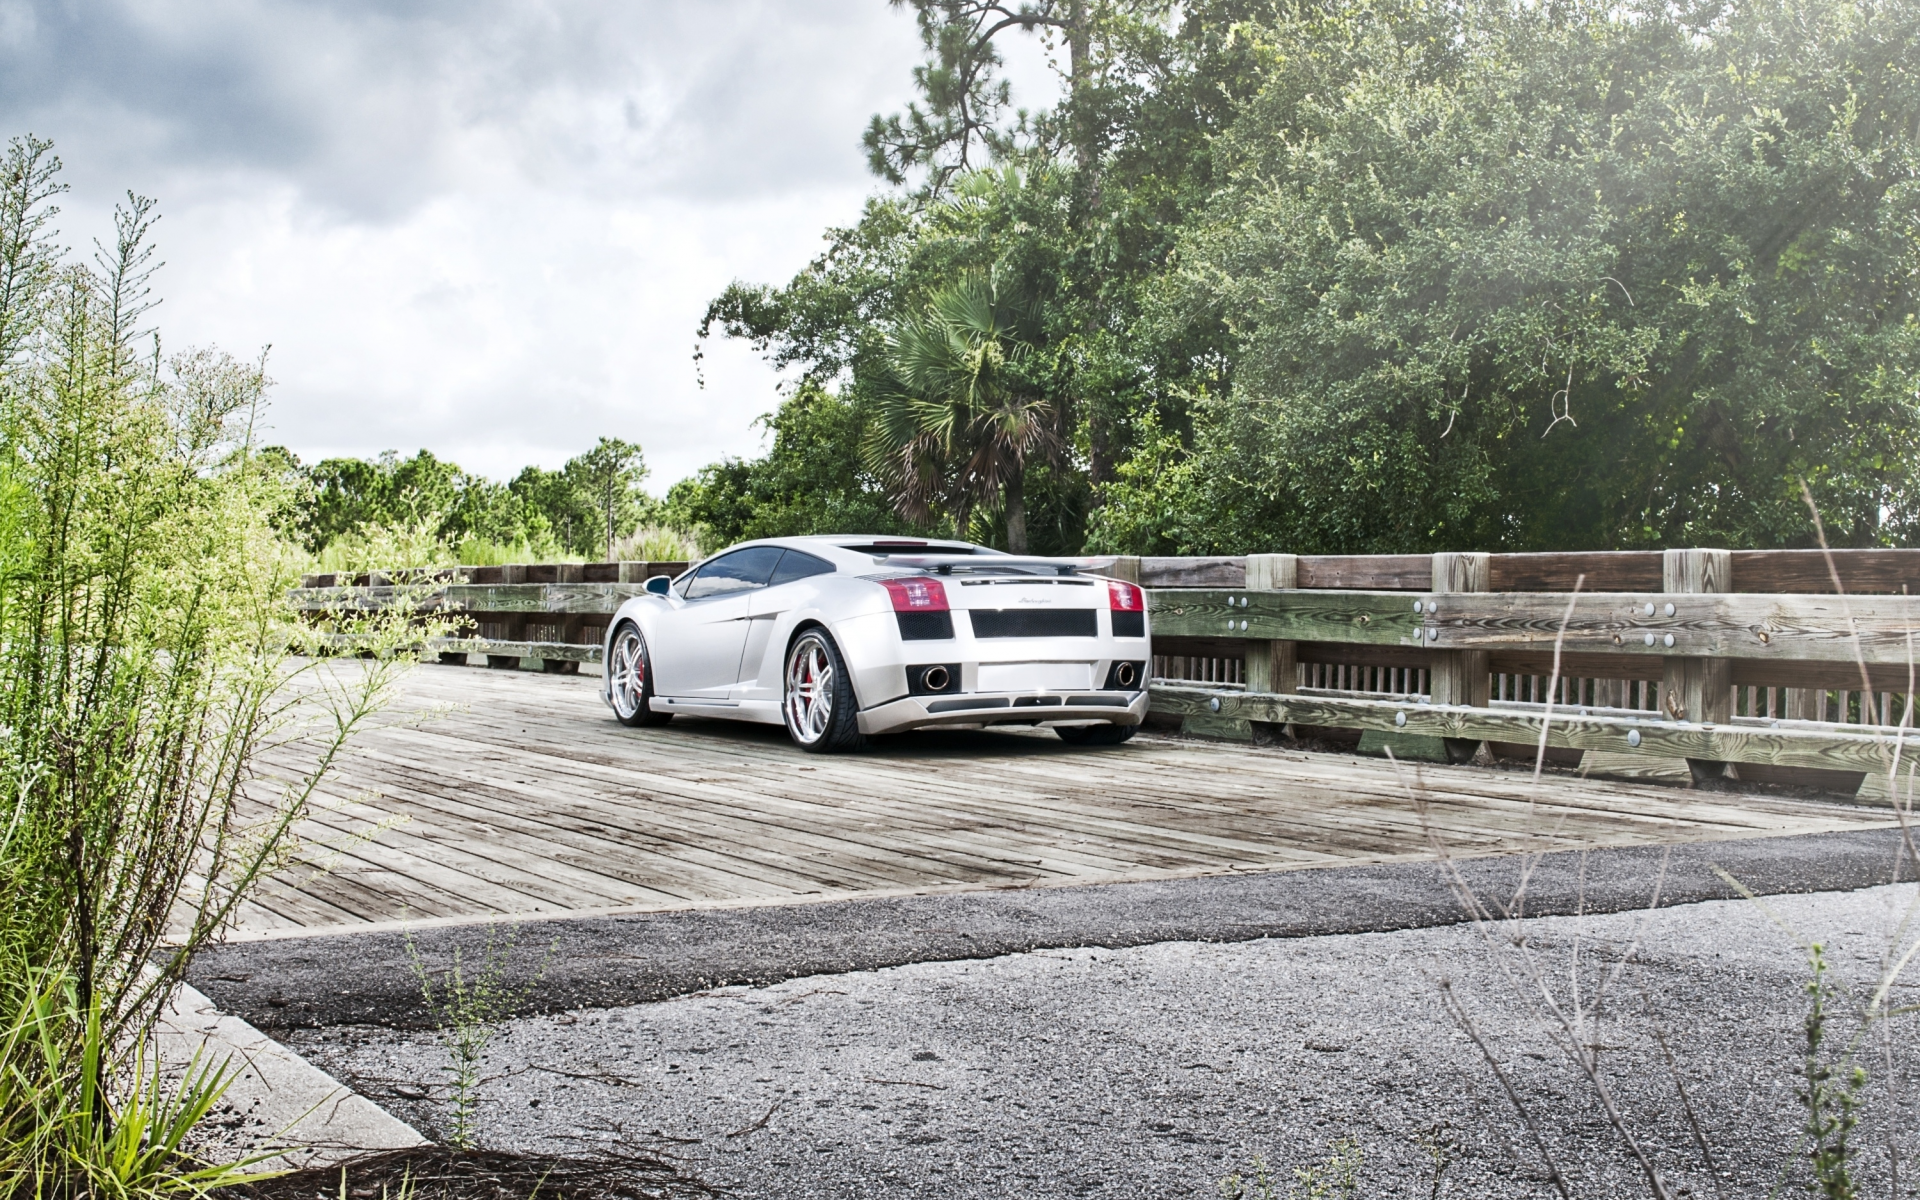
(810, 681)
(627, 674)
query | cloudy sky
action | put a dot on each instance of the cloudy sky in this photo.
(486, 227)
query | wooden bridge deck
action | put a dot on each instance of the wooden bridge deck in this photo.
(512, 794)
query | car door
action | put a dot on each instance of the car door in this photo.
(760, 664)
(697, 655)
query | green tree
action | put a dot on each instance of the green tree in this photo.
(1081, 207)
(608, 477)
(832, 324)
(345, 494)
(812, 480)
(1502, 276)
(965, 415)
(556, 501)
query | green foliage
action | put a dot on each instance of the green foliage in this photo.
(1075, 210)
(607, 478)
(145, 639)
(51, 1143)
(1833, 1092)
(655, 543)
(354, 513)
(1410, 276)
(965, 412)
(1337, 1176)
(1152, 504)
(1502, 276)
(467, 1009)
(839, 323)
(811, 481)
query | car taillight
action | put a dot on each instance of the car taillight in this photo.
(1124, 597)
(916, 595)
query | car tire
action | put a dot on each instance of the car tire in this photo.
(1095, 735)
(630, 680)
(816, 698)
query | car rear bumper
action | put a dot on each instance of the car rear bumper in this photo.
(996, 708)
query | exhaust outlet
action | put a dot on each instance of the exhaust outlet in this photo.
(935, 679)
(1125, 675)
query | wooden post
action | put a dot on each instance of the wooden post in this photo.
(1126, 567)
(1461, 676)
(1693, 689)
(633, 572)
(1272, 666)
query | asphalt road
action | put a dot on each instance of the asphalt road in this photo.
(369, 978)
(1155, 1070)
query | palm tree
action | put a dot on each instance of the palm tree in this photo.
(964, 417)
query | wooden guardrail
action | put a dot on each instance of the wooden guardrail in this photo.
(543, 612)
(1790, 666)
(1782, 666)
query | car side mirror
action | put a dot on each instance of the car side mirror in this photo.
(659, 584)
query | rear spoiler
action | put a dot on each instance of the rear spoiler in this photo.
(997, 564)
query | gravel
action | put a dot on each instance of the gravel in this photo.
(1157, 1069)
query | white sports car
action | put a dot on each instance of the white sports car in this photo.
(841, 637)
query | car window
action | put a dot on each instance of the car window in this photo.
(736, 572)
(797, 565)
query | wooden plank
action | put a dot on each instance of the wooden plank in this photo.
(1577, 665)
(1603, 571)
(558, 651)
(1862, 572)
(1198, 647)
(1193, 572)
(1348, 654)
(524, 796)
(1825, 749)
(1825, 676)
(1762, 627)
(1367, 572)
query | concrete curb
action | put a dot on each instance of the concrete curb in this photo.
(314, 1118)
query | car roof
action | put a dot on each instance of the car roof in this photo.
(857, 551)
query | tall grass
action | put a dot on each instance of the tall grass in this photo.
(146, 661)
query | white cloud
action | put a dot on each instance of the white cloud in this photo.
(487, 228)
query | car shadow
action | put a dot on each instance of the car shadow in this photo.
(918, 744)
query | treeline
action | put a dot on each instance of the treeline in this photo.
(427, 509)
(1365, 277)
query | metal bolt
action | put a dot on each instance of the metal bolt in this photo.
(1633, 736)
(1400, 718)
(1433, 635)
(1243, 625)
(1416, 606)
(1649, 636)
(1649, 608)
(1214, 704)
(1668, 640)
(1669, 610)
(1433, 606)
